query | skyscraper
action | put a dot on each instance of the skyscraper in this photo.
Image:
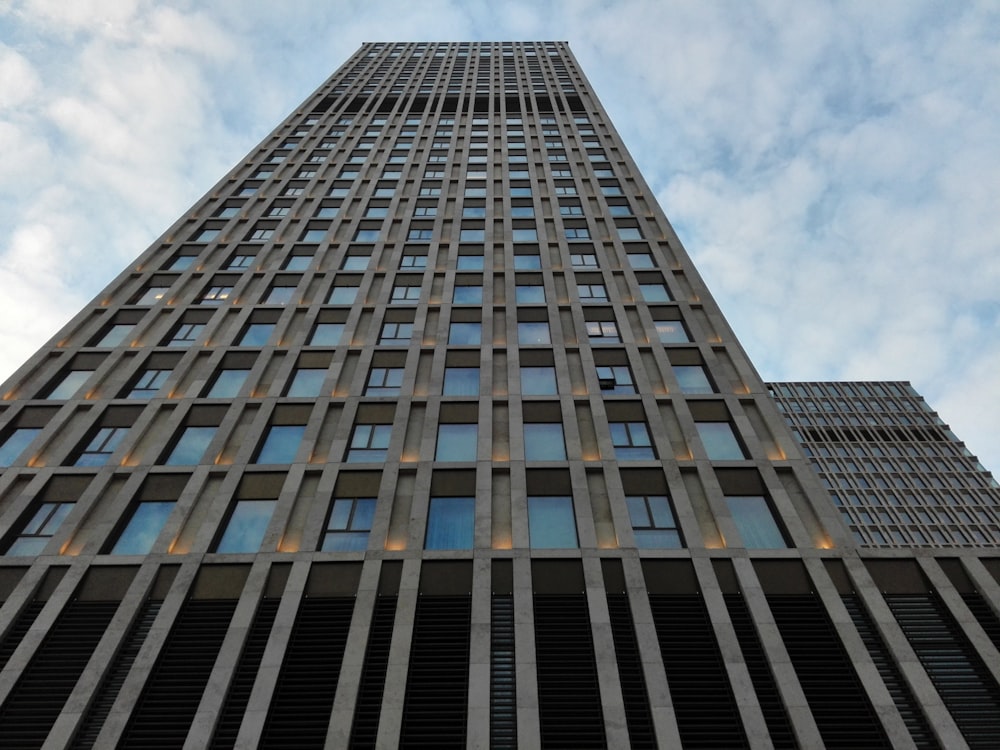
(420, 429)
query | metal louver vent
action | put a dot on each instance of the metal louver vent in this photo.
(844, 717)
(984, 615)
(503, 688)
(771, 705)
(569, 699)
(368, 709)
(901, 694)
(18, 630)
(707, 716)
(166, 708)
(303, 696)
(231, 716)
(958, 674)
(39, 695)
(437, 685)
(637, 714)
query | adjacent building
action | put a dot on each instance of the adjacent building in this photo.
(420, 429)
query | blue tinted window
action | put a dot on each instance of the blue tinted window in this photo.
(755, 522)
(719, 440)
(551, 522)
(191, 446)
(281, 444)
(247, 524)
(143, 528)
(15, 444)
(538, 381)
(457, 442)
(349, 525)
(543, 441)
(228, 383)
(256, 334)
(450, 523)
(307, 382)
(461, 381)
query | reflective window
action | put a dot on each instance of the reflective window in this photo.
(551, 522)
(603, 332)
(755, 522)
(70, 384)
(524, 235)
(461, 381)
(256, 334)
(145, 525)
(384, 381)
(468, 295)
(326, 334)
(148, 383)
(465, 334)
(216, 295)
(529, 294)
(527, 262)
(246, 526)
(228, 383)
(349, 524)
(404, 294)
(653, 522)
(654, 293)
(672, 332)
(190, 446)
(543, 441)
(450, 523)
(470, 263)
(640, 260)
(693, 379)
(100, 447)
(369, 442)
(37, 532)
(538, 381)
(631, 441)
(457, 442)
(281, 444)
(615, 379)
(533, 332)
(396, 333)
(115, 334)
(343, 295)
(307, 381)
(720, 441)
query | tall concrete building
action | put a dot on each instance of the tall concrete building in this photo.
(421, 430)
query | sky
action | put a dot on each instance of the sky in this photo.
(833, 168)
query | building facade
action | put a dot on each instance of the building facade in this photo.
(420, 429)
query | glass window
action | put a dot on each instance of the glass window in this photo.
(413, 261)
(543, 441)
(151, 295)
(693, 379)
(190, 446)
(148, 383)
(396, 333)
(472, 235)
(461, 381)
(313, 235)
(465, 334)
(246, 526)
(640, 260)
(366, 235)
(404, 294)
(538, 381)
(145, 525)
(281, 444)
(355, 262)
(533, 332)
(527, 262)
(457, 442)
(115, 334)
(529, 294)
(551, 522)
(755, 522)
(577, 233)
(384, 381)
(369, 442)
(654, 293)
(240, 262)
(603, 332)
(522, 212)
(44, 523)
(469, 263)
(228, 383)
(280, 295)
(216, 295)
(653, 522)
(450, 523)
(307, 381)
(256, 334)
(343, 295)
(615, 379)
(467, 294)
(719, 440)
(524, 235)
(326, 334)
(186, 334)
(349, 524)
(100, 447)
(70, 384)
(631, 441)
(672, 332)
(629, 233)
(473, 212)
(592, 292)
(182, 262)
(583, 260)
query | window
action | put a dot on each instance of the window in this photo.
(115, 334)
(279, 295)
(619, 209)
(470, 263)
(306, 382)
(457, 442)
(298, 262)
(533, 332)
(281, 444)
(551, 522)
(404, 294)
(467, 294)
(227, 212)
(693, 379)
(653, 522)
(384, 381)
(314, 235)
(629, 233)
(577, 233)
(342, 294)
(465, 334)
(366, 235)
(631, 441)
(326, 334)
(246, 526)
(148, 384)
(654, 292)
(755, 522)
(186, 334)
(190, 446)
(396, 333)
(100, 447)
(583, 260)
(538, 381)
(524, 235)
(327, 212)
(461, 381)
(145, 525)
(40, 528)
(410, 260)
(672, 332)
(256, 334)
(369, 442)
(207, 235)
(216, 295)
(151, 295)
(522, 212)
(543, 441)
(603, 332)
(473, 212)
(262, 235)
(355, 262)
(527, 262)
(240, 262)
(640, 260)
(528, 294)
(472, 235)
(420, 235)
(15, 444)
(70, 384)
(720, 441)
(182, 262)
(450, 523)
(228, 383)
(592, 292)
(615, 379)
(349, 524)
